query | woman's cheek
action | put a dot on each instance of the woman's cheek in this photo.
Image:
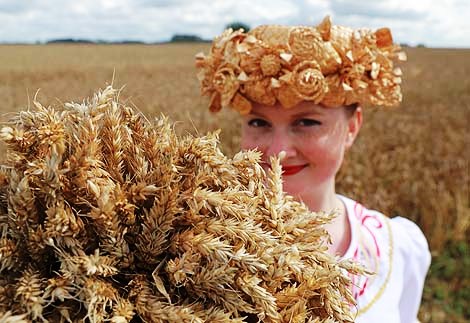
(324, 147)
(326, 157)
(250, 141)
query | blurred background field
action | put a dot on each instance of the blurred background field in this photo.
(413, 161)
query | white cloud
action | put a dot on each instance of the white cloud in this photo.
(434, 23)
(378, 9)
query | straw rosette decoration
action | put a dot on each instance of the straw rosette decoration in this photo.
(327, 64)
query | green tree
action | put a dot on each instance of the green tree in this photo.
(238, 25)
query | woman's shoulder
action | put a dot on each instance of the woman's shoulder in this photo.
(357, 212)
(405, 235)
(370, 229)
(410, 239)
(371, 246)
(394, 249)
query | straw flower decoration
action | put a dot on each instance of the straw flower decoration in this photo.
(326, 64)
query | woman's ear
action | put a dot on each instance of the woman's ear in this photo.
(354, 125)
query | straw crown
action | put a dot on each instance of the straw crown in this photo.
(326, 64)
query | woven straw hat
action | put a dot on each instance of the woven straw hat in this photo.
(327, 64)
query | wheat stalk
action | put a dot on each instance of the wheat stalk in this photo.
(107, 216)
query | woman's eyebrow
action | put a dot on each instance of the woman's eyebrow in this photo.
(256, 114)
(306, 114)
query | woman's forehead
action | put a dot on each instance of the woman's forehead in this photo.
(303, 108)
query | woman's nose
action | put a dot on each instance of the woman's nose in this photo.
(281, 141)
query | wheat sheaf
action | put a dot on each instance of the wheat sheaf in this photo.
(106, 216)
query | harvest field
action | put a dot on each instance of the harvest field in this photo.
(412, 161)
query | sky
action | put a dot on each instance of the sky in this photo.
(433, 23)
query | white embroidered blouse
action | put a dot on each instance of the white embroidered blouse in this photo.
(397, 251)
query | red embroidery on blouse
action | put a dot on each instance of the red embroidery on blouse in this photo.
(363, 289)
(369, 222)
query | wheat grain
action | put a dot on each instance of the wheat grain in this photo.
(128, 221)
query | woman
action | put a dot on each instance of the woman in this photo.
(300, 91)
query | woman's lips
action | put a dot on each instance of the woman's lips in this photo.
(291, 170)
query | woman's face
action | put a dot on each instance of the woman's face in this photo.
(314, 139)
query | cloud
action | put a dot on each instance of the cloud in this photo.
(436, 23)
(377, 9)
(13, 7)
(158, 3)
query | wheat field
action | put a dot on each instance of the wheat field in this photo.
(412, 161)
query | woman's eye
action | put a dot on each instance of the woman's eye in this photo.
(258, 123)
(308, 122)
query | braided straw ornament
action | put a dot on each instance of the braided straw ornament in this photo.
(328, 65)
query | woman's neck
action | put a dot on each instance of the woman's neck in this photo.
(322, 198)
(339, 228)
